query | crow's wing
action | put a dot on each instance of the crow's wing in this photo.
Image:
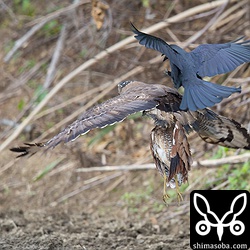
(155, 43)
(213, 59)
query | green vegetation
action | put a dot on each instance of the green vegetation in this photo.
(27, 65)
(83, 52)
(40, 93)
(24, 7)
(21, 104)
(8, 46)
(221, 152)
(234, 176)
(47, 169)
(145, 3)
(51, 28)
(239, 177)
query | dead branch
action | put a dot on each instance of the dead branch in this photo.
(23, 39)
(9, 11)
(207, 26)
(58, 13)
(85, 96)
(223, 18)
(17, 83)
(55, 58)
(92, 183)
(104, 87)
(205, 163)
(133, 167)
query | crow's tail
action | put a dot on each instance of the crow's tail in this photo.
(202, 94)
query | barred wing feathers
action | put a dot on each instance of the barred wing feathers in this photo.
(222, 131)
(134, 97)
(110, 112)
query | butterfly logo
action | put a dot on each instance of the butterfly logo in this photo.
(236, 227)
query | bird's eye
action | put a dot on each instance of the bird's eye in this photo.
(123, 84)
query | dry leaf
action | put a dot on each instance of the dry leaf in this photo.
(98, 12)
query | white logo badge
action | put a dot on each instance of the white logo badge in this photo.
(236, 227)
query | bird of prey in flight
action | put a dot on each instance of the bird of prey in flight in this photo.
(188, 69)
(169, 144)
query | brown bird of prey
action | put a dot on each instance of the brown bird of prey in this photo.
(169, 144)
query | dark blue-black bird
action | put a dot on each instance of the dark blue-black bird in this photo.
(187, 69)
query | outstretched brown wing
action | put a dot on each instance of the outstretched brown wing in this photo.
(134, 97)
(211, 127)
(217, 129)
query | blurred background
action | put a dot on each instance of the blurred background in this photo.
(57, 59)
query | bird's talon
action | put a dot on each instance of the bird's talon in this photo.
(179, 197)
(165, 197)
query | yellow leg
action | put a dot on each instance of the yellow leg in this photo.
(179, 196)
(165, 195)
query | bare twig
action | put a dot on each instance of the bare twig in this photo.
(205, 163)
(225, 101)
(185, 14)
(207, 26)
(7, 166)
(197, 182)
(17, 83)
(223, 17)
(91, 184)
(85, 96)
(12, 124)
(222, 185)
(57, 53)
(10, 12)
(58, 13)
(23, 39)
(133, 167)
(240, 80)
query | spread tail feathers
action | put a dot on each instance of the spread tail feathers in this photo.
(204, 94)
